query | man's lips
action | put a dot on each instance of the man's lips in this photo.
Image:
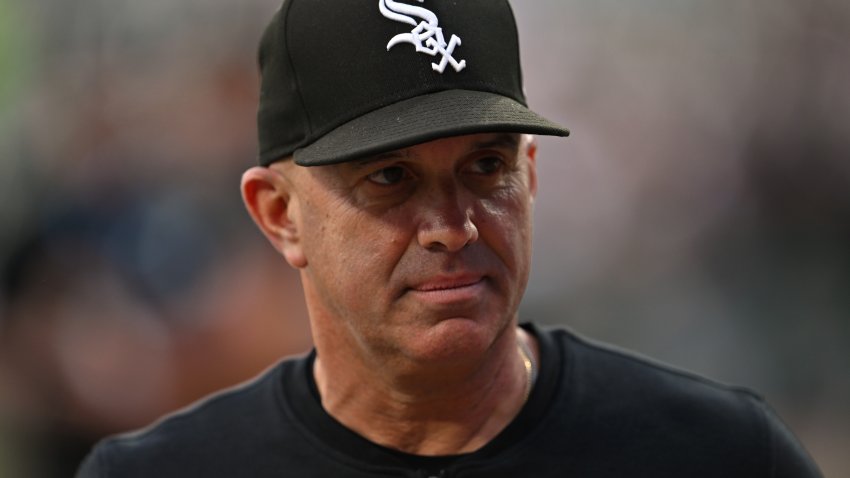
(440, 283)
(450, 290)
(447, 283)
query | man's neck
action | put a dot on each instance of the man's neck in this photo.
(457, 414)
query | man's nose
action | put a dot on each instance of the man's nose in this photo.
(447, 222)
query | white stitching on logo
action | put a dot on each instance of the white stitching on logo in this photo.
(426, 36)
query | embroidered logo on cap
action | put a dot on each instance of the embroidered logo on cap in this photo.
(426, 36)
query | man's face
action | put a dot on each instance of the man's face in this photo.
(421, 254)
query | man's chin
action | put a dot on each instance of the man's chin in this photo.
(455, 338)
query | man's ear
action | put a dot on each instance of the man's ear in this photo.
(271, 202)
(529, 146)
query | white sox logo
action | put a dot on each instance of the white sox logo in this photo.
(426, 36)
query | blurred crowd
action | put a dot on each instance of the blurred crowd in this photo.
(133, 282)
(699, 213)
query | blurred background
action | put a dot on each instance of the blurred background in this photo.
(699, 213)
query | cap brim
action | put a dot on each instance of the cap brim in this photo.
(421, 119)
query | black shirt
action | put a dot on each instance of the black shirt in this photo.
(594, 412)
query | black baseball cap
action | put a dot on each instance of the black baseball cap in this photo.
(348, 79)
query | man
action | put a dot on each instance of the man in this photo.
(398, 176)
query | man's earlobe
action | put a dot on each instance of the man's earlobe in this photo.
(273, 207)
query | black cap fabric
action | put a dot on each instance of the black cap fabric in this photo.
(342, 79)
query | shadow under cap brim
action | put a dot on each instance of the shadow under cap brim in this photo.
(421, 119)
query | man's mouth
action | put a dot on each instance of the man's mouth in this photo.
(440, 284)
(450, 290)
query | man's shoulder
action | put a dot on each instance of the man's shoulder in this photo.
(642, 406)
(227, 423)
(639, 384)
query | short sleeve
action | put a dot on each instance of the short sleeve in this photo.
(789, 459)
(91, 467)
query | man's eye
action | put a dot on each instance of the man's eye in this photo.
(388, 176)
(487, 165)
